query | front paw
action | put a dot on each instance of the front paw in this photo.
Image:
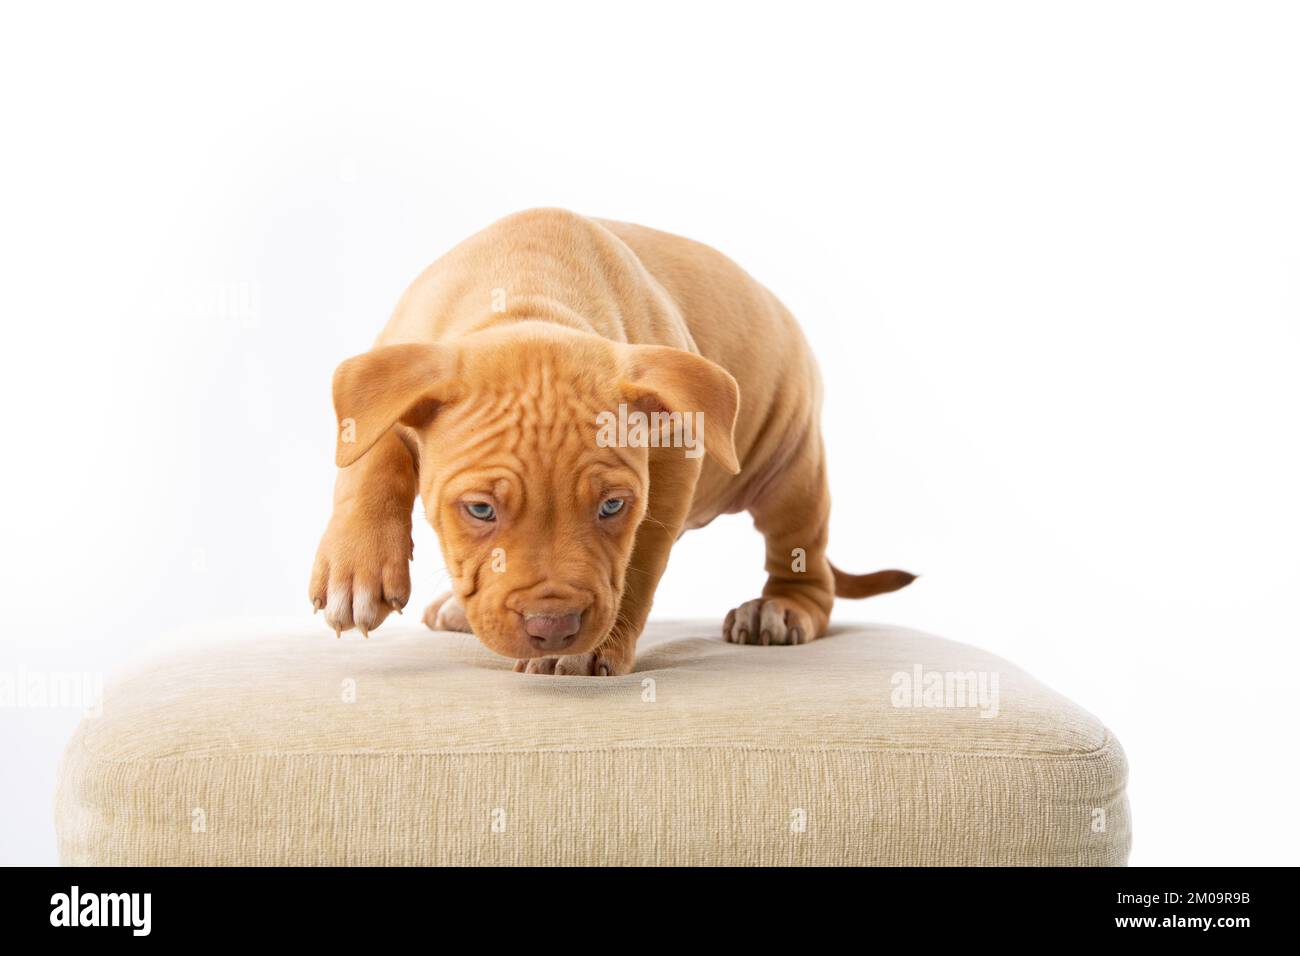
(609, 660)
(446, 614)
(770, 620)
(362, 572)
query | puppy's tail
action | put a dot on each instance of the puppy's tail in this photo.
(869, 585)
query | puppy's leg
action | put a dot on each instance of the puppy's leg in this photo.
(793, 514)
(672, 485)
(362, 569)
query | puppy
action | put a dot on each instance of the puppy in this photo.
(567, 396)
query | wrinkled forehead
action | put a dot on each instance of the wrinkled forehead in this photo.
(536, 433)
(537, 359)
(543, 395)
(528, 422)
(532, 408)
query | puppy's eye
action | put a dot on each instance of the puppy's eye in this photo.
(610, 507)
(481, 510)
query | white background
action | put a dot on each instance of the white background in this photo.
(1048, 256)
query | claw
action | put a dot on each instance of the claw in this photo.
(364, 632)
(395, 605)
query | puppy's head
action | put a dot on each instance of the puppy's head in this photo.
(535, 507)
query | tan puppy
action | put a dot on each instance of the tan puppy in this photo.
(511, 389)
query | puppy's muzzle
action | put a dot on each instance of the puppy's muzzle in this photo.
(552, 632)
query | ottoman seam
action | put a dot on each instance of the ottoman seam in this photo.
(1104, 749)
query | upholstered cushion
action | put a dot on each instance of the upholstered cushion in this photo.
(278, 744)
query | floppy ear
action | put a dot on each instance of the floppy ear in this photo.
(376, 390)
(673, 380)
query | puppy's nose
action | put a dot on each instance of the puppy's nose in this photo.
(552, 632)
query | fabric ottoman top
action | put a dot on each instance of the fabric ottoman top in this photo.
(273, 743)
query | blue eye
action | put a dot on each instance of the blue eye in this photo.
(481, 510)
(610, 507)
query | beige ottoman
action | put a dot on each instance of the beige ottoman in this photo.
(276, 744)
